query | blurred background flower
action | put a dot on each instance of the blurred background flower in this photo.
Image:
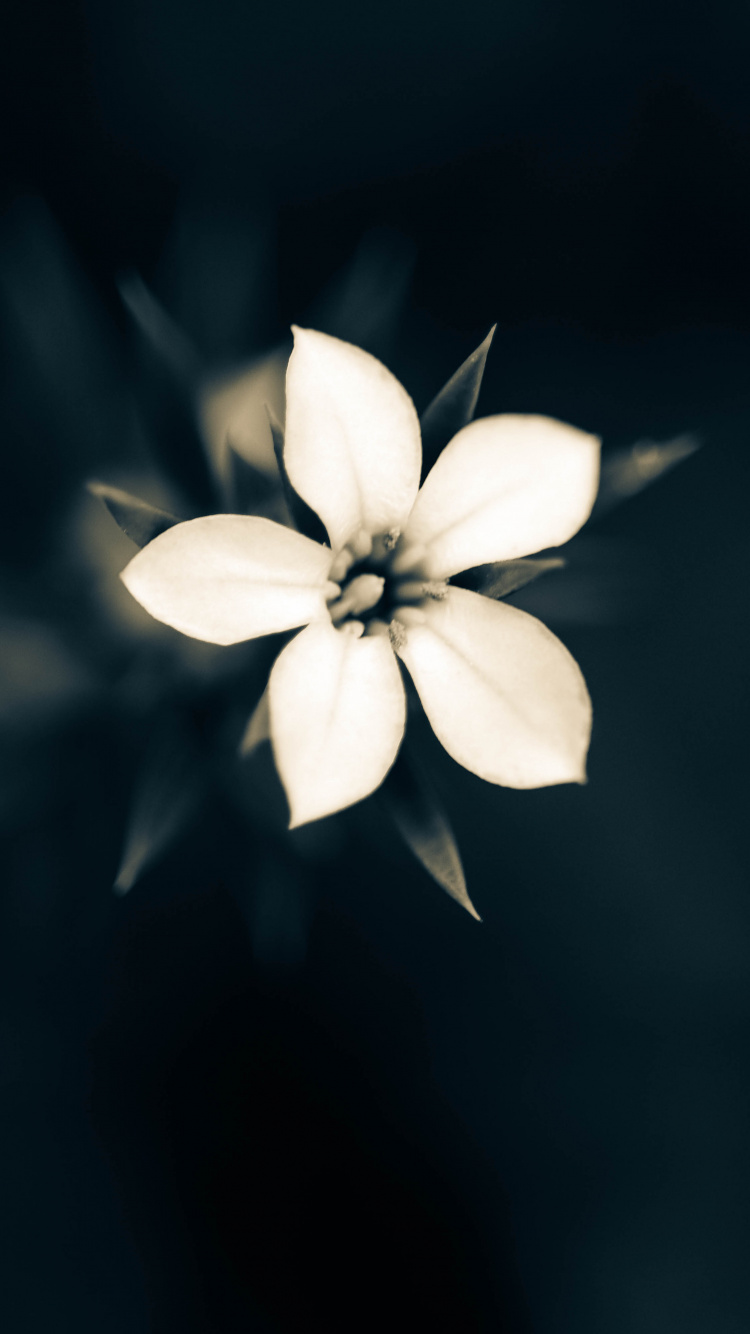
(256, 1061)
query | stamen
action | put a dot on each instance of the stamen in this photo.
(406, 561)
(361, 544)
(355, 629)
(411, 616)
(397, 635)
(376, 627)
(398, 627)
(416, 591)
(383, 544)
(341, 565)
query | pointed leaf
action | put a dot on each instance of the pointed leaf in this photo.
(454, 406)
(170, 376)
(139, 521)
(417, 813)
(625, 472)
(506, 576)
(258, 728)
(303, 517)
(168, 789)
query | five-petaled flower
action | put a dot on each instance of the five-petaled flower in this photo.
(503, 695)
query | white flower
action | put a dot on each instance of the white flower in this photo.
(503, 695)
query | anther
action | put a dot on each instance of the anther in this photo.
(397, 636)
(413, 590)
(390, 538)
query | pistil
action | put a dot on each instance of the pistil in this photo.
(361, 595)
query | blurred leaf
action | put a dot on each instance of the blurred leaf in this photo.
(171, 783)
(506, 576)
(232, 407)
(40, 678)
(606, 581)
(171, 375)
(278, 910)
(216, 270)
(248, 488)
(258, 728)
(139, 520)
(303, 518)
(59, 349)
(454, 406)
(415, 809)
(625, 472)
(364, 302)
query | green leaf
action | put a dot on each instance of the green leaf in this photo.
(170, 374)
(505, 576)
(139, 520)
(454, 406)
(411, 802)
(625, 472)
(168, 789)
(303, 517)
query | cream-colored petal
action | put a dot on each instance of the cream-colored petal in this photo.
(338, 712)
(504, 487)
(352, 444)
(228, 577)
(503, 695)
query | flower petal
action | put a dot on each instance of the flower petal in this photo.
(504, 696)
(352, 444)
(504, 487)
(338, 711)
(229, 577)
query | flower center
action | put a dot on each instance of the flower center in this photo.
(375, 595)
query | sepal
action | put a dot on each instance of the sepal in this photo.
(258, 728)
(507, 576)
(625, 472)
(139, 521)
(168, 790)
(413, 805)
(304, 518)
(454, 407)
(171, 373)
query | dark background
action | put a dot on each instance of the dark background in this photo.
(389, 1116)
